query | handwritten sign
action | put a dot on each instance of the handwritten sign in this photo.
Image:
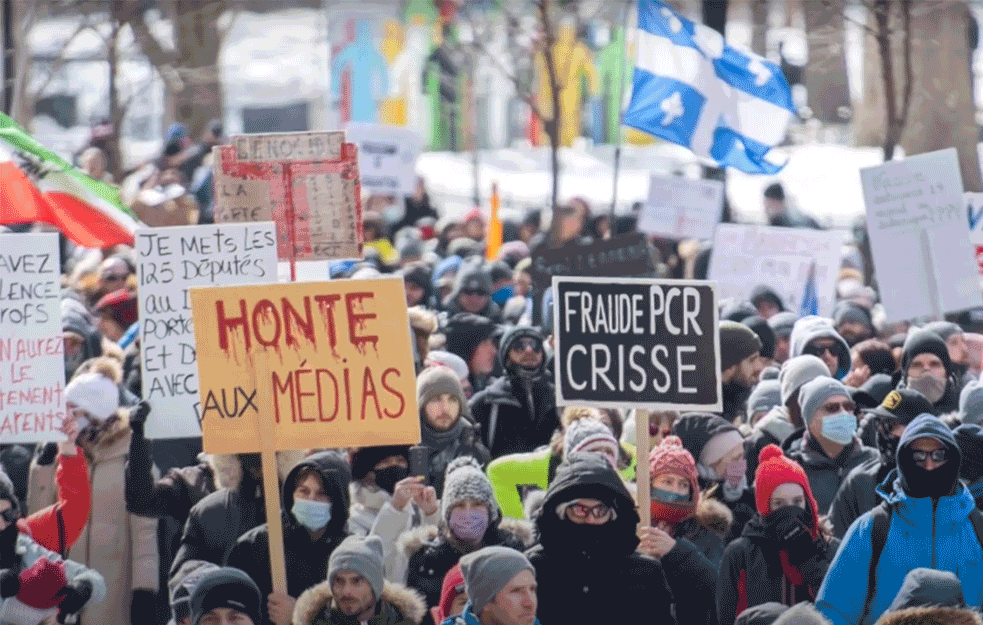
(974, 215)
(627, 255)
(682, 208)
(289, 146)
(338, 364)
(386, 157)
(169, 262)
(32, 360)
(747, 256)
(925, 264)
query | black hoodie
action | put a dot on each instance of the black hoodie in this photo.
(592, 574)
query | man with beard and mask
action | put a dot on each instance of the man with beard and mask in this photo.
(853, 322)
(315, 513)
(586, 561)
(815, 336)
(955, 343)
(782, 554)
(828, 447)
(924, 521)
(926, 367)
(517, 412)
(856, 495)
(740, 365)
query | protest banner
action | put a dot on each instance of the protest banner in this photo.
(169, 262)
(637, 343)
(386, 157)
(974, 214)
(780, 258)
(627, 255)
(925, 264)
(289, 146)
(682, 208)
(32, 359)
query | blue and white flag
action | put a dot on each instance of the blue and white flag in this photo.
(810, 296)
(691, 88)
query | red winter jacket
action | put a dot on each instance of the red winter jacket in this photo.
(59, 525)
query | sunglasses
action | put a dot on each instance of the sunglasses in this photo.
(526, 343)
(818, 350)
(600, 511)
(838, 407)
(938, 455)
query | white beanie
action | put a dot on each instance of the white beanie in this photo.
(94, 393)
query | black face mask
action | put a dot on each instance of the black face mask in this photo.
(8, 541)
(919, 483)
(788, 523)
(387, 478)
(591, 539)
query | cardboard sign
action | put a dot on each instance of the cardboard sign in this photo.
(640, 343)
(974, 215)
(626, 255)
(32, 360)
(779, 258)
(682, 208)
(169, 262)
(386, 157)
(339, 360)
(925, 264)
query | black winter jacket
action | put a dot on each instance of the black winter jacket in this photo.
(826, 474)
(856, 495)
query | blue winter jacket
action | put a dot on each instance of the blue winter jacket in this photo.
(467, 617)
(927, 533)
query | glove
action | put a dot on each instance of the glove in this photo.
(76, 594)
(9, 583)
(790, 529)
(143, 606)
(138, 415)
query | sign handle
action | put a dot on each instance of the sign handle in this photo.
(271, 478)
(642, 477)
(933, 280)
(291, 218)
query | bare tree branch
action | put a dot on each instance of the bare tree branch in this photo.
(909, 73)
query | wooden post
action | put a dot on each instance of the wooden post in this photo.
(642, 478)
(271, 478)
(928, 256)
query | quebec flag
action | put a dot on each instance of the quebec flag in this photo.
(691, 88)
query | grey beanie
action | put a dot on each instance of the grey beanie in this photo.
(765, 396)
(465, 480)
(487, 571)
(799, 370)
(971, 403)
(583, 432)
(781, 323)
(361, 555)
(434, 382)
(817, 391)
(944, 329)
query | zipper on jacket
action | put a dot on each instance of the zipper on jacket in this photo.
(935, 505)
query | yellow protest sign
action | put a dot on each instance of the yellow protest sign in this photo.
(338, 367)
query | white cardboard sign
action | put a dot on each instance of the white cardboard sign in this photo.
(32, 359)
(682, 208)
(386, 157)
(779, 258)
(169, 261)
(925, 264)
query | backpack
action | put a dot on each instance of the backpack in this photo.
(881, 518)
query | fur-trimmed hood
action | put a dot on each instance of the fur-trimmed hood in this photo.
(714, 515)
(313, 601)
(412, 541)
(931, 616)
(227, 468)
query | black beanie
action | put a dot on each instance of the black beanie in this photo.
(226, 587)
(924, 342)
(695, 429)
(464, 331)
(765, 334)
(7, 491)
(365, 459)
(969, 437)
(737, 342)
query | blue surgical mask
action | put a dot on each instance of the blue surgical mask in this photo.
(840, 428)
(314, 515)
(503, 295)
(667, 496)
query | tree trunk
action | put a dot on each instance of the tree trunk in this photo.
(198, 43)
(892, 131)
(116, 112)
(551, 126)
(826, 74)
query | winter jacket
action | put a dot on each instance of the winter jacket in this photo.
(607, 582)
(58, 526)
(461, 440)
(772, 429)
(742, 509)
(467, 617)
(826, 474)
(398, 605)
(689, 573)
(306, 559)
(174, 494)
(706, 529)
(857, 494)
(753, 572)
(923, 532)
(508, 473)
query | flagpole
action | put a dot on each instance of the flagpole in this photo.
(621, 113)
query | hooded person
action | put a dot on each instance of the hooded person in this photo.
(472, 292)
(517, 412)
(927, 523)
(857, 493)
(740, 365)
(817, 337)
(356, 591)
(932, 616)
(782, 555)
(315, 515)
(82, 340)
(781, 324)
(853, 322)
(766, 301)
(446, 428)
(926, 367)
(471, 337)
(469, 520)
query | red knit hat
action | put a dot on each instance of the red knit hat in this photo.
(36, 600)
(671, 457)
(775, 469)
(453, 586)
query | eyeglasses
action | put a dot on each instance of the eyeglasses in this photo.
(600, 511)
(526, 343)
(114, 277)
(838, 407)
(818, 350)
(938, 455)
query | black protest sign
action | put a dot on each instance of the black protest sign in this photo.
(643, 343)
(627, 255)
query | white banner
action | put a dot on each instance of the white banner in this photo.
(682, 208)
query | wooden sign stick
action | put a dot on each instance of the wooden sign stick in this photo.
(642, 478)
(271, 477)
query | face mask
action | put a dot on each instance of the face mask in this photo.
(469, 525)
(387, 478)
(503, 295)
(840, 428)
(314, 515)
(667, 496)
(735, 471)
(930, 386)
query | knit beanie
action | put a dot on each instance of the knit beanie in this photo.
(183, 583)
(487, 571)
(765, 334)
(782, 324)
(971, 402)
(799, 370)
(671, 457)
(775, 469)
(94, 393)
(765, 396)
(849, 312)
(736, 310)
(365, 459)
(464, 331)
(434, 382)
(453, 585)
(697, 429)
(737, 342)
(37, 598)
(817, 391)
(969, 437)
(464, 480)
(583, 433)
(944, 329)
(446, 359)
(924, 342)
(362, 555)
(226, 587)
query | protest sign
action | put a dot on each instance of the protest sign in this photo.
(682, 208)
(780, 258)
(925, 264)
(289, 146)
(641, 343)
(169, 262)
(32, 360)
(626, 255)
(386, 157)
(340, 360)
(974, 214)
